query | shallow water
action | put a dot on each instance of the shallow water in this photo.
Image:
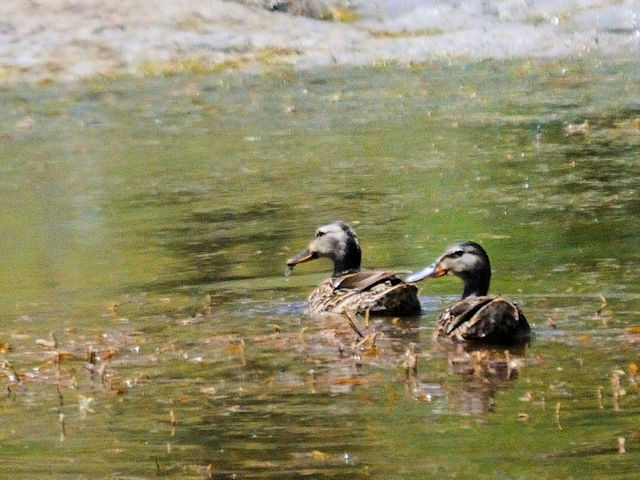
(145, 230)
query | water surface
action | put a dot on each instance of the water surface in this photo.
(148, 330)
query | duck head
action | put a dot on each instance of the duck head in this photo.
(466, 260)
(336, 241)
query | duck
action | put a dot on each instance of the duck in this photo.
(350, 289)
(477, 316)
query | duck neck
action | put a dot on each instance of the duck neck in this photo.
(349, 261)
(477, 284)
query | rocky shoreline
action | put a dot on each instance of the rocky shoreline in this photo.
(68, 40)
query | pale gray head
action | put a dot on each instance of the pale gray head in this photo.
(336, 241)
(466, 260)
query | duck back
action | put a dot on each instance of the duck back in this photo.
(487, 319)
(376, 291)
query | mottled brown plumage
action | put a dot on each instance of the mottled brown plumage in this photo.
(351, 289)
(477, 317)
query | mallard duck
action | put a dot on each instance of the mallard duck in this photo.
(477, 317)
(351, 289)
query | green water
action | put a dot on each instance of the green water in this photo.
(148, 221)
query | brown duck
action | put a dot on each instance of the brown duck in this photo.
(351, 289)
(477, 317)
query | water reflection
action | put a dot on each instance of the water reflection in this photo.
(483, 372)
(465, 380)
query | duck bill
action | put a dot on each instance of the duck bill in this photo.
(302, 257)
(432, 271)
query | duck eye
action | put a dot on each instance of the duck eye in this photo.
(457, 253)
(320, 233)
